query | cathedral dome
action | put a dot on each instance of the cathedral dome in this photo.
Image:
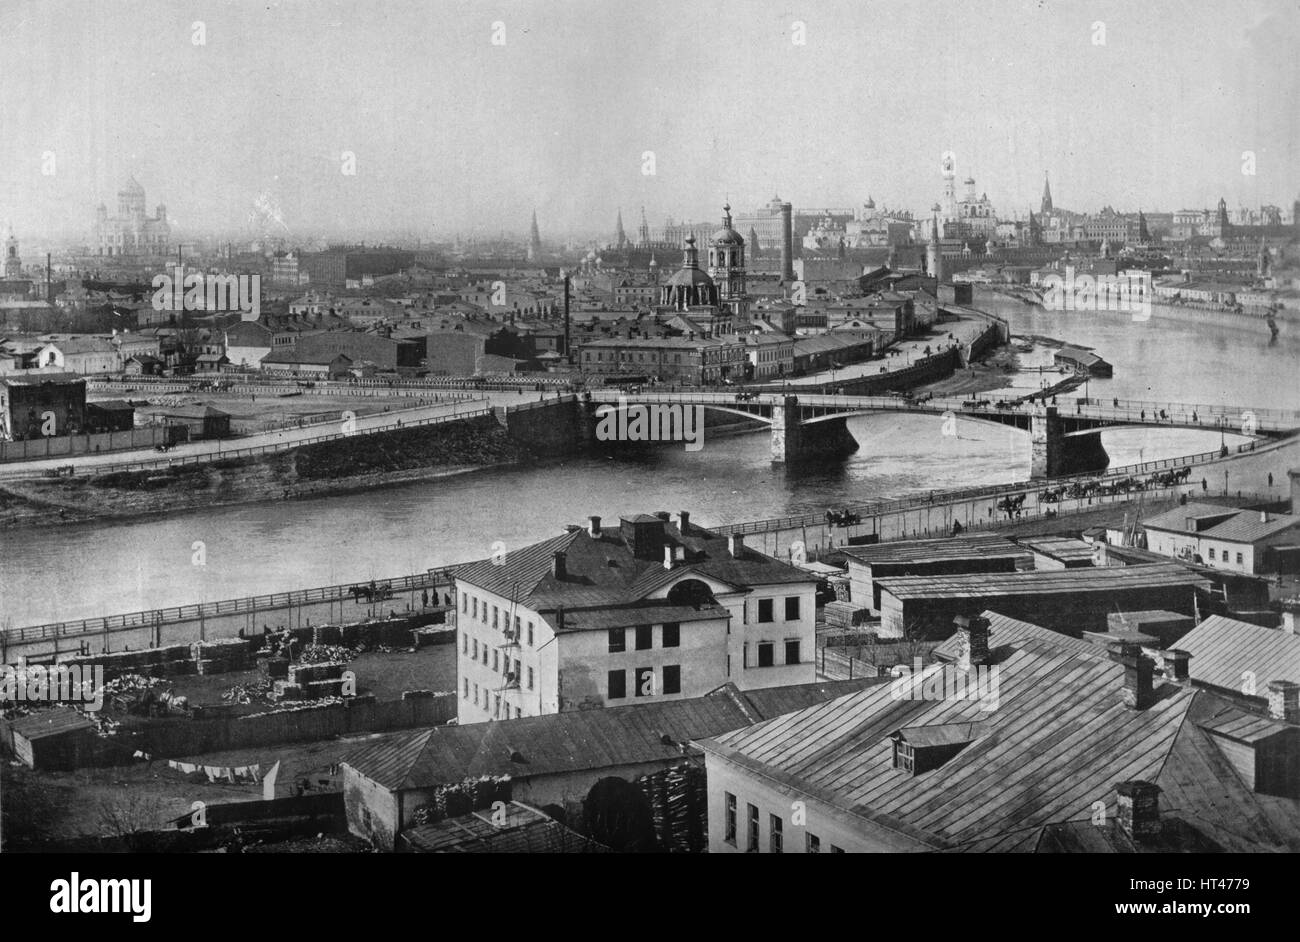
(690, 277)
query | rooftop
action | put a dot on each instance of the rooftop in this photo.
(924, 551)
(582, 740)
(1068, 581)
(1223, 649)
(1038, 762)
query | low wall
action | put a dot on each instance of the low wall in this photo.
(56, 445)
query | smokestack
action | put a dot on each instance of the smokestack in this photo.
(1284, 701)
(559, 568)
(1263, 516)
(972, 641)
(787, 242)
(49, 291)
(593, 528)
(1139, 809)
(683, 521)
(566, 317)
(736, 545)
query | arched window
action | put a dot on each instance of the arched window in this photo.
(691, 592)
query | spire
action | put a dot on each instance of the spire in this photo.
(534, 241)
(1046, 208)
(620, 237)
(643, 234)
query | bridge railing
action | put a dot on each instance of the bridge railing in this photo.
(240, 606)
(456, 412)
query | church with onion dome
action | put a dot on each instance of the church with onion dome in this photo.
(710, 298)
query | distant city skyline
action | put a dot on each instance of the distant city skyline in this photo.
(453, 135)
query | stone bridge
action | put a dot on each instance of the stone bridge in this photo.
(1065, 440)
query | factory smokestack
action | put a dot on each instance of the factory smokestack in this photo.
(787, 242)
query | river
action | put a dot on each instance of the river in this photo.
(64, 573)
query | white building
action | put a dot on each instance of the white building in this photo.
(644, 612)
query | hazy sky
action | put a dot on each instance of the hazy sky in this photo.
(453, 133)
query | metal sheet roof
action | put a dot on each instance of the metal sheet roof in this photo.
(1223, 649)
(1066, 581)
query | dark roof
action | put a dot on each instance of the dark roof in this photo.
(602, 572)
(111, 405)
(45, 723)
(525, 831)
(37, 379)
(581, 740)
(1004, 631)
(1222, 649)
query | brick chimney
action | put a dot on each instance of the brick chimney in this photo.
(1288, 621)
(1284, 701)
(670, 557)
(683, 521)
(559, 569)
(1139, 809)
(1139, 692)
(736, 545)
(972, 641)
(593, 526)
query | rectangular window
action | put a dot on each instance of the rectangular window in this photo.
(792, 608)
(792, 652)
(496, 659)
(617, 640)
(644, 637)
(475, 654)
(1211, 552)
(476, 608)
(530, 634)
(464, 603)
(672, 679)
(514, 669)
(672, 634)
(644, 677)
(464, 642)
(729, 834)
(466, 688)
(530, 678)
(752, 844)
(518, 626)
(495, 612)
(485, 651)
(765, 654)
(617, 685)
(814, 844)
(1239, 562)
(476, 694)
(764, 610)
(496, 706)
(774, 838)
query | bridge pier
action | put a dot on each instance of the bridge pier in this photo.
(793, 441)
(1053, 453)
